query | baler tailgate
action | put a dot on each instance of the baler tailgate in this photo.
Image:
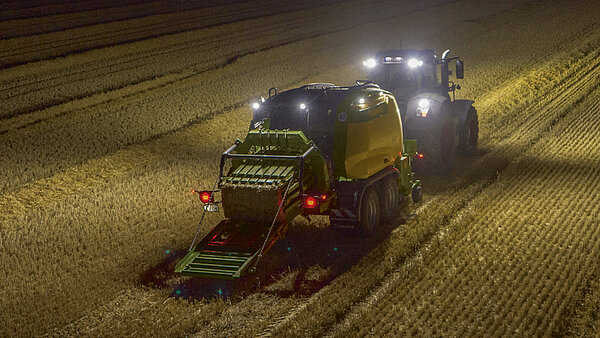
(229, 250)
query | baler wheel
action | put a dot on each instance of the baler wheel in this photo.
(369, 214)
(417, 194)
(389, 199)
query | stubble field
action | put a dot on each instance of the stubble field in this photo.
(111, 114)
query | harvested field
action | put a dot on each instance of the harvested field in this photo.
(111, 114)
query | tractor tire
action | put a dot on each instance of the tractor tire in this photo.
(417, 194)
(468, 134)
(438, 146)
(369, 214)
(389, 199)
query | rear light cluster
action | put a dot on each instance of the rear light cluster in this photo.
(419, 155)
(310, 202)
(205, 196)
(313, 202)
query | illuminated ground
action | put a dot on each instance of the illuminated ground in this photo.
(111, 115)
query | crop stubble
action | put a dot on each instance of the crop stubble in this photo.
(162, 178)
(83, 130)
(323, 315)
(513, 263)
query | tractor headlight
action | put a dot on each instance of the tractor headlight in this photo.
(423, 107)
(370, 63)
(413, 63)
(302, 106)
(256, 105)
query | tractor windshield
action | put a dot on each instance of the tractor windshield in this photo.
(405, 81)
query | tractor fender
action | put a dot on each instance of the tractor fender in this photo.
(438, 106)
(461, 109)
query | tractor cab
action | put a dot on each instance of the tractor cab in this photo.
(420, 81)
(408, 72)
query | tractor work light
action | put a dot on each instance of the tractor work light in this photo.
(423, 108)
(393, 60)
(370, 63)
(256, 105)
(302, 106)
(423, 103)
(414, 63)
(361, 101)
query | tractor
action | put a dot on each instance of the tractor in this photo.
(442, 126)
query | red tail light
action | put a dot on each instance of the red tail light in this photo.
(206, 196)
(419, 155)
(310, 202)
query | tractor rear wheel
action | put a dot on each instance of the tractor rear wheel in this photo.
(438, 146)
(468, 134)
(369, 214)
(389, 198)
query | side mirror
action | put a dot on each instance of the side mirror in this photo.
(460, 69)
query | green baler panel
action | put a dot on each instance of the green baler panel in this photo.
(253, 187)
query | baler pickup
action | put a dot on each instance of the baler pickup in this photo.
(260, 194)
(229, 250)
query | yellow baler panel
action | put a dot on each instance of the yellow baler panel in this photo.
(374, 144)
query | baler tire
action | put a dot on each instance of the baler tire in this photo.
(417, 194)
(389, 199)
(369, 214)
(468, 134)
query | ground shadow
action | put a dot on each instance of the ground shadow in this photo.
(307, 259)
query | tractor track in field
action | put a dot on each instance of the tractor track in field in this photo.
(304, 302)
(40, 90)
(582, 316)
(20, 10)
(69, 44)
(60, 17)
(579, 85)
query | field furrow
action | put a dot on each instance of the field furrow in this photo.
(63, 42)
(99, 126)
(14, 10)
(195, 51)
